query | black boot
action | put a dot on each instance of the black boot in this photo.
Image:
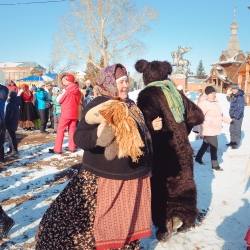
(230, 144)
(6, 223)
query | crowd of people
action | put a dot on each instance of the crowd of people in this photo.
(137, 158)
(38, 108)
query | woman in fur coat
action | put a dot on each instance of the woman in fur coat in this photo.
(174, 194)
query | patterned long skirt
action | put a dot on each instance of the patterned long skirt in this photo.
(68, 223)
(27, 115)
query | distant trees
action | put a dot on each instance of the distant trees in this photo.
(91, 71)
(36, 71)
(200, 71)
(58, 64)
(106, 29)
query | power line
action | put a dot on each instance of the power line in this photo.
(51, 1)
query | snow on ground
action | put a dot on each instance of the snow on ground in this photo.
(223, 200)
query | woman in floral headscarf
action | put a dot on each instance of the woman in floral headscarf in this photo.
(107, 204)
(28, 111)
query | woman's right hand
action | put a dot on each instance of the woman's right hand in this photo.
(157, 123)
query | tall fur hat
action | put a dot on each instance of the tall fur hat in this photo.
(153, 71)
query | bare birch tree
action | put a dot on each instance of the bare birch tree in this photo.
(58, 64)
(108, 29)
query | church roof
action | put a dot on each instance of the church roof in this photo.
(232, 59)
(233, 45)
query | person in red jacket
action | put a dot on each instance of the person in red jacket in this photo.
(69, 101)
(12, 86)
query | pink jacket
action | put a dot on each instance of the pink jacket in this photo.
(69, 101)
(213, 117)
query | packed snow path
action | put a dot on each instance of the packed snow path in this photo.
(29, 184)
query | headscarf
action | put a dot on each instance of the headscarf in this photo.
(25, 88)
(106, 86)
(106, 81)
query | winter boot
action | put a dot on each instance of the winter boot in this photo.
(6, 223)
(199, 161)
(234, 146)
(230, 144)
(217, 168)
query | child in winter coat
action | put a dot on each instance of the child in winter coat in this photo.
(56, 106)
(11, 119)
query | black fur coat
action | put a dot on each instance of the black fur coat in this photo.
(173, 188)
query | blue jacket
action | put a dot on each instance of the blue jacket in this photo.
(56, 105)
(3, 97)
(12, 113)
(237, 105)
(42, 96)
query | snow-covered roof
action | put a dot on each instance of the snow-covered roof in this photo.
(9, 64)
(222, 77)
(20, 64)
(230, 60)
(196, 80)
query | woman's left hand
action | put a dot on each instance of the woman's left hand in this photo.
(157, 123)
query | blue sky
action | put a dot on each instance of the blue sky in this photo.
(27, 30)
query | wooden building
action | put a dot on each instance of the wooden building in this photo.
(242, 77)
(233, 67)
(17, 70)
(223, 71)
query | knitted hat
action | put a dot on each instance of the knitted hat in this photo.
(12, 94)
(235, 86)
(69, 78)
(209, 90)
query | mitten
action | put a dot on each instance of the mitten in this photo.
(106, 137)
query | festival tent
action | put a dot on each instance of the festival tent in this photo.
(46, 77)
(33, 80)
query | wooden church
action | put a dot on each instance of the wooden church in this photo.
(233, 67)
